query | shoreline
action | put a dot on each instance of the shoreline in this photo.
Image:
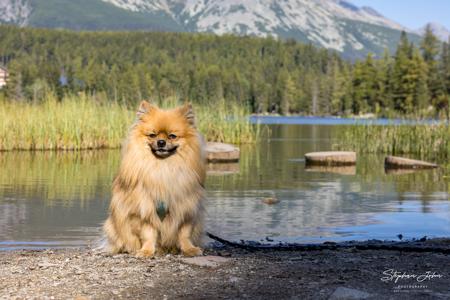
(320, 274)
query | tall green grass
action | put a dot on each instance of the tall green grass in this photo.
(423, 141)
(80, 122)
(227, 123)
(221, 122)
(73, 123)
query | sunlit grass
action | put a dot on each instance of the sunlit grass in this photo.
(74, 123)
(221, 121)
(229, 124)
(424, 141)
(79, 122)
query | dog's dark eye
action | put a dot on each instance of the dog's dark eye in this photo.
(172, 136)
(152, 135)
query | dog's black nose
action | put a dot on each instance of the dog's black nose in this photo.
(161, 143)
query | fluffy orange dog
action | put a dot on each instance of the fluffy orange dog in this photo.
(157, 195)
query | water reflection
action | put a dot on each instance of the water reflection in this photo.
(342, 170)
(62, 176)
(61, 198)
(54, 198)
(321, 203)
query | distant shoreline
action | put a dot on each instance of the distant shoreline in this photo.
(337, 120)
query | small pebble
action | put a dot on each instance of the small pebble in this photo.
(270, 200)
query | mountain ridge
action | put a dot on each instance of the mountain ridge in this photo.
(438, 29)
(334, 24)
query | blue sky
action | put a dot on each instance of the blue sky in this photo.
(411, 13)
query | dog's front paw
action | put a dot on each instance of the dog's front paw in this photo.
(192, 251)
(145, 253)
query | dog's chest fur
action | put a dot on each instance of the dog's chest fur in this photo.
(172, 188)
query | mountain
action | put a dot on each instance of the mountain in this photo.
(439, 30)
(334, 24)
(14, 12)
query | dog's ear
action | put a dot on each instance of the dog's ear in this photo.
(144, 108)
(187, 111)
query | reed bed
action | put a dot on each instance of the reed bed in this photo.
(424, 141)
(80, 122)
(73, 123)
(221, 121)
(227, 123)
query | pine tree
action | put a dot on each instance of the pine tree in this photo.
(404, 47)
(14, 88)
(399, 81)
(430, 50)
(365, 85)
(358, 89)
(383, 96)
(418, 72)
(445, 73)
(429, 46)
(445, 65)
(286, 91)
(336, 81)
(346, 103)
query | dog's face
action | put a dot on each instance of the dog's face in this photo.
(165, 132)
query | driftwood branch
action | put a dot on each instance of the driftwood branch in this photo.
(408, 246)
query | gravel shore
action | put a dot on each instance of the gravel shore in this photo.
(226, 273)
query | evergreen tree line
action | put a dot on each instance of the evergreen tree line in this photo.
(415, 81)
(268, 75)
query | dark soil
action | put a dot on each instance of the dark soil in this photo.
(270, 274)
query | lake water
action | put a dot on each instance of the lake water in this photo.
(60, 199)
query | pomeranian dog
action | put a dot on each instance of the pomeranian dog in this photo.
(157, 195)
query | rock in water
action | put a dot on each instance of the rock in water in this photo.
(407, 163)
(220, 152)
(270, 200)
(331, 158)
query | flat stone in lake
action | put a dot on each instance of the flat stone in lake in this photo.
(407, 163)
(220, 152)
(331, 158)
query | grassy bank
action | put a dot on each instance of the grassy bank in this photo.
(79, 122)
(422, 141)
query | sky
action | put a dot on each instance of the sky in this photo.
(412, 14)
